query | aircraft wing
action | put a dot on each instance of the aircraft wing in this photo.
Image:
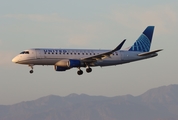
(103, 55)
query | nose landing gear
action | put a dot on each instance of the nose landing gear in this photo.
(31, 66)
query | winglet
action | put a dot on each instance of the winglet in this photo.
(119, 46)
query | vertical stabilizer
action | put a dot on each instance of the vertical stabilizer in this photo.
(143, 43)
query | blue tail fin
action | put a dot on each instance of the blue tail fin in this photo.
(143, 43)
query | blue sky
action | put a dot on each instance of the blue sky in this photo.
(100, 24)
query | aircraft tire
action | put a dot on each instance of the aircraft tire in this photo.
(31, 71)
(80, 72)
(88, 70)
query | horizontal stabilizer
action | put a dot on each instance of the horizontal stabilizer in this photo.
(148, 53)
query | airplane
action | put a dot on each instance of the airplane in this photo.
(65, 59)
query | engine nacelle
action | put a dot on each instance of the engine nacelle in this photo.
(74, 63)
(69, 63)
(62, 63)
(58, 68)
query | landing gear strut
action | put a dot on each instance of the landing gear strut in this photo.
(31, 71)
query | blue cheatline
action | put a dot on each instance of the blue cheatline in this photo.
(143, 43)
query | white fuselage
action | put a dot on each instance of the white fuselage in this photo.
(65, 59)
(52, 56)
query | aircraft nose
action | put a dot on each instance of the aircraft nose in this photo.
(15, 60)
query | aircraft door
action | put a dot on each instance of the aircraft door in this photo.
(31, 54)
(39, 54)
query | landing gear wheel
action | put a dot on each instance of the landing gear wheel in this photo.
(31, 71)
(80, 72)
(88, 70)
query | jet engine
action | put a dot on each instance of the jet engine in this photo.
(58, 68)
(65, 64)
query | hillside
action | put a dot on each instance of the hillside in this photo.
(155, 104)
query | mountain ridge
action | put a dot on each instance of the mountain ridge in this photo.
(155, 104)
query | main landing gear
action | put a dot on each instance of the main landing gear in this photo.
(31, 71)
(88, 70)
(80, 72)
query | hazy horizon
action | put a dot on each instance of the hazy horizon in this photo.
(85, 24)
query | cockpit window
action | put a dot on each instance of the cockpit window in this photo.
(25, 52)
